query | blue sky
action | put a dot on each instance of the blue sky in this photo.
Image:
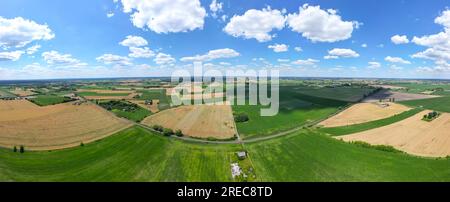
(347, 38)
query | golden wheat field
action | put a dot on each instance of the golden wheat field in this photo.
(54, 127)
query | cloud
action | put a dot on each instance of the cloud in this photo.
(341, 52)
(162, 16)
(18, 32)
(364, 45)
(307, 62)
(56, 58)
(298, 49)
(397, 39)
(438, 45)
(283, 60)
(215, 8)
(114, 60)
(395, 68)
(33, 49)
(136, 52)
(212, 55)
(134, 41)
(396, 60)
(164, 59)
(279, 47)
(256, 24)
(374, 65)
(110, 14)
(320, 25)
(11, 56)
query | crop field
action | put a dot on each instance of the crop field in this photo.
(5, 93)
(45, 100)
(54, 127)
(22, 92)
(156, 94)
(134, 154)
(295, 110)
(439, 104)
(344, 130)
(412, 135)
(203, 121)
(364, 112)
(346, 94)
(126, 110)
(385, 95)
(427, 87)
(310, 156)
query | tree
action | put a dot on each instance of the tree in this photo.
(179, 133)
(167, 132)
(15, 149)
(242, 117)
(22, 149)
(158, 128)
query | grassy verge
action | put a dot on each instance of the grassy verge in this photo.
(344, 130)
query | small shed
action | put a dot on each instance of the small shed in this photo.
(242, 154)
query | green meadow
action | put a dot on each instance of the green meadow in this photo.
(45, 100)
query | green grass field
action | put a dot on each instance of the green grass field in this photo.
(439, 104)
(137, 115)
(295, 110)
(44, 100)
(101, 94)
(347, 94)
(136, 154)
(125, 109)
(5, 93)
(160, 94)
(315, 157)
(422, 87)
(132, 155)
(344, 130)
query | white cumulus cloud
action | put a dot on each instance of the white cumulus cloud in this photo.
(164, 16)
(111, 59)
(307, 62)
(18, 32)
(33, 49)
(320, 25)
(397, 39)
(164, 59)
(374, 65)
(212, 55)
(396, 60)
(56, 58)
(215, 7)
(134, 41)
(256, 24)
(136, 52)
(11, 56)
(341, 52)
(279, 47)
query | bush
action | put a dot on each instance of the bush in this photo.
(82, 144)
(22, 149)
(167, 132)
(15, 149)
(242, 117)
(158, 128)
(179, 133)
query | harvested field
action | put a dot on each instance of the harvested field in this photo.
(411, 135)
(203, 121)
(54, 127)
(22, 93)
(398, 96)
(364, 112)
(105, 91)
